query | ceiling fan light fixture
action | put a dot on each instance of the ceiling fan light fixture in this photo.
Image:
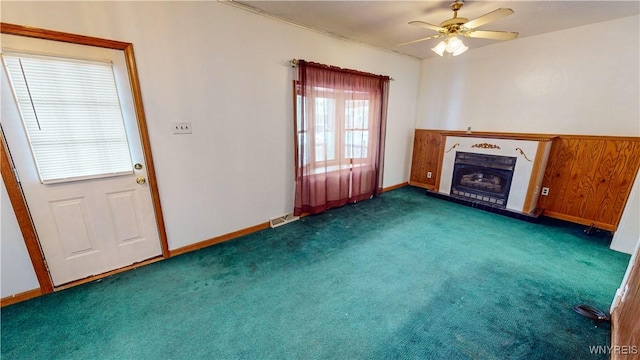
(461, 50)
(451, 45)
(454, 44)
(440, 48)
(451, 28)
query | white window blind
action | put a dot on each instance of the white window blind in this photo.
(72, 115)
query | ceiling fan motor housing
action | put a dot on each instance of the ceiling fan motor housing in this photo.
(453, 25)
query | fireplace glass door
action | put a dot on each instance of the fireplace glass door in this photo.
(482, 178)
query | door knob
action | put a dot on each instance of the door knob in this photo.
(141, 180)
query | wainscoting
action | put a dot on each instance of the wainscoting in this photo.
(589, 177)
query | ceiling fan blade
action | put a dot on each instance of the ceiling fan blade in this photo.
(487, 18)
(425, 25)
(423, 39)
(494, 35)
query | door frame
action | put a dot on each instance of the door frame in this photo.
(14, 189)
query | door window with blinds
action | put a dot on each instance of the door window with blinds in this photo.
(72, 115)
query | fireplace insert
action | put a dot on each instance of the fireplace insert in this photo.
(482, 178)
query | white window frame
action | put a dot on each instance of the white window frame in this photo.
(338, 127)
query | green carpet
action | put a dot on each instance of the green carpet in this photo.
(402, 276)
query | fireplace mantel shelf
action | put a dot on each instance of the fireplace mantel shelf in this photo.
(496, 135)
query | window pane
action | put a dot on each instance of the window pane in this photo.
(356, 122)
(357, 114)
(356, 144)
(299, 112)
(72, 115)
(303, 147)
(303, 132)
(325, 129)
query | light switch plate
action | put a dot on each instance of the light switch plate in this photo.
(181, 127)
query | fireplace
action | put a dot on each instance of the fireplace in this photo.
(482, 178)
(494, 158)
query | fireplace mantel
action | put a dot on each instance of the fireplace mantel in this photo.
(498, 135)
(531, 151)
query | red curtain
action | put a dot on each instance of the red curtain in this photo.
(340, 131)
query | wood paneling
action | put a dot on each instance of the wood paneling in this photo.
(589, 179)
(626, 319)
(426, 158)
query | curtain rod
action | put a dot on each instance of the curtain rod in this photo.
(294, 63)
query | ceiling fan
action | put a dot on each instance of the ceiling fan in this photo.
(451, 28)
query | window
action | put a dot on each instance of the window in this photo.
(72, 115)
(341, 126)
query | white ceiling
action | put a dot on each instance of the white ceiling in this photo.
(384, 24)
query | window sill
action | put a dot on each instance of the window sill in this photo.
(334, 168)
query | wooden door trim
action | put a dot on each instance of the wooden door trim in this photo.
(18, 201)
(146, 147)
(53, 35)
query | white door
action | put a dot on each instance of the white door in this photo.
(89, 224)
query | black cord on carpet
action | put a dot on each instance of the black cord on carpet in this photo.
(591, 312)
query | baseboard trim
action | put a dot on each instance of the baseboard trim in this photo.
(9, 300)
(218, 239)
(421, 185)
(393, 187)
(581, 221)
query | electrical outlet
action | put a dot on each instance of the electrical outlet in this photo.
(429, 175)
(181, 127)
(545, 191)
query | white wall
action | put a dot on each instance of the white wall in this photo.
(17, 274)
(577, 81)
(225, 70)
